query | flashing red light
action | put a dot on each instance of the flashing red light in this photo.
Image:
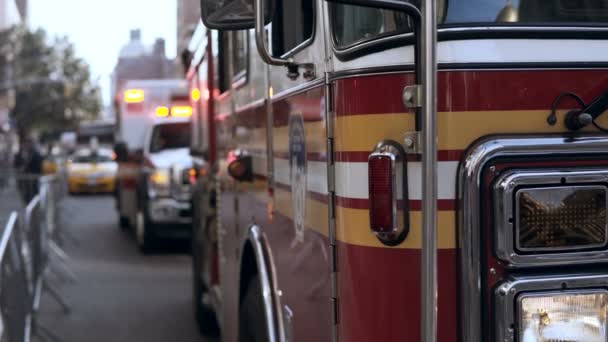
(135, 107)
(381, 197)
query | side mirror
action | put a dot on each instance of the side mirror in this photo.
(120, 150)
(231, 14)
(241, 169)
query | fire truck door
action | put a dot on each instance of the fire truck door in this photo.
(298, 232)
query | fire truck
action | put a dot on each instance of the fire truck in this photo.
(153, 135)
(383, 170)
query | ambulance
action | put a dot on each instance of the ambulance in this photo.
(153, 135)
(385, 170)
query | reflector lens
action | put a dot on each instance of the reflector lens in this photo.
(561, 218)
(381, 198)
(574, 316)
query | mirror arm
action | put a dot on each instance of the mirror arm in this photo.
(414, 12)
(260, 38)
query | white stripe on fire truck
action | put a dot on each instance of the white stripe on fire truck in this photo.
(351, 178)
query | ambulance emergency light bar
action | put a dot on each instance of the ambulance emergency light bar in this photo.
(134, 96)
(176, 111)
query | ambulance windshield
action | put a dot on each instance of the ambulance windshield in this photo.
(352, 24)
(170, 136)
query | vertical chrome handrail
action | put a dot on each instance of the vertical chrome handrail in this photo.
(429, 172)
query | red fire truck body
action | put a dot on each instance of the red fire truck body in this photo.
(311, 183)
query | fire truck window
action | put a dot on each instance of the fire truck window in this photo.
(223, 56)
(528, 11)
(353, 24)
(170, 136)
(240, 54)
(292, 24)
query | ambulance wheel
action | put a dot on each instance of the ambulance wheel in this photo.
(206, 319)
(252, 318)
(143, 233)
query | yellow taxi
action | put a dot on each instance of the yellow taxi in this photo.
(92, 171)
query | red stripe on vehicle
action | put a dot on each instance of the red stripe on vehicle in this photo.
(363, 203)
(484, 90)
(362, 156)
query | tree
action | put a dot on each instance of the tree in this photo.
(54, 91)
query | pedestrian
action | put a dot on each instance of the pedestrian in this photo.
(29, 164)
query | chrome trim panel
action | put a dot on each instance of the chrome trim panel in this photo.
(472, 31)
(250, 106)
(446, 67)
(469, 203)
(298, 89)
(270, 293)
(504, 191)
(506, 296)
(525, 28)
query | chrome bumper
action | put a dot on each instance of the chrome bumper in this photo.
(169, 210)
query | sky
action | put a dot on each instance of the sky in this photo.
(99, 28)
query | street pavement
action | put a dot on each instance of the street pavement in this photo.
(120, 295)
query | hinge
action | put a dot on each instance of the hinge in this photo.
(412, 142)
(331, 166)
(331, 206)
(329, 108)
(412, 96)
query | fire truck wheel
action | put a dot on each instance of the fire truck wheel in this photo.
(143, 232)
(205, 317)
(252, 318)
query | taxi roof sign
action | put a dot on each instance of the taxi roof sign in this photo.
(134, 95)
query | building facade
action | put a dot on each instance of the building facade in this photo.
(188, 17)
(12, 12)
(138, 61)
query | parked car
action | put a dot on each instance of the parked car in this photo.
(92, 171)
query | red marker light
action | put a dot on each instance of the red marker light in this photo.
(382, 202)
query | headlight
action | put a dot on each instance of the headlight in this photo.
(568, 316)
(551, 217)
(160, 181)
(561, 308)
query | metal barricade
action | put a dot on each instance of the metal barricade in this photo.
(29, 252)
(15, 298)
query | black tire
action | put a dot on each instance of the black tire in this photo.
(204, 315)
(252, 317)
(123, 222)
